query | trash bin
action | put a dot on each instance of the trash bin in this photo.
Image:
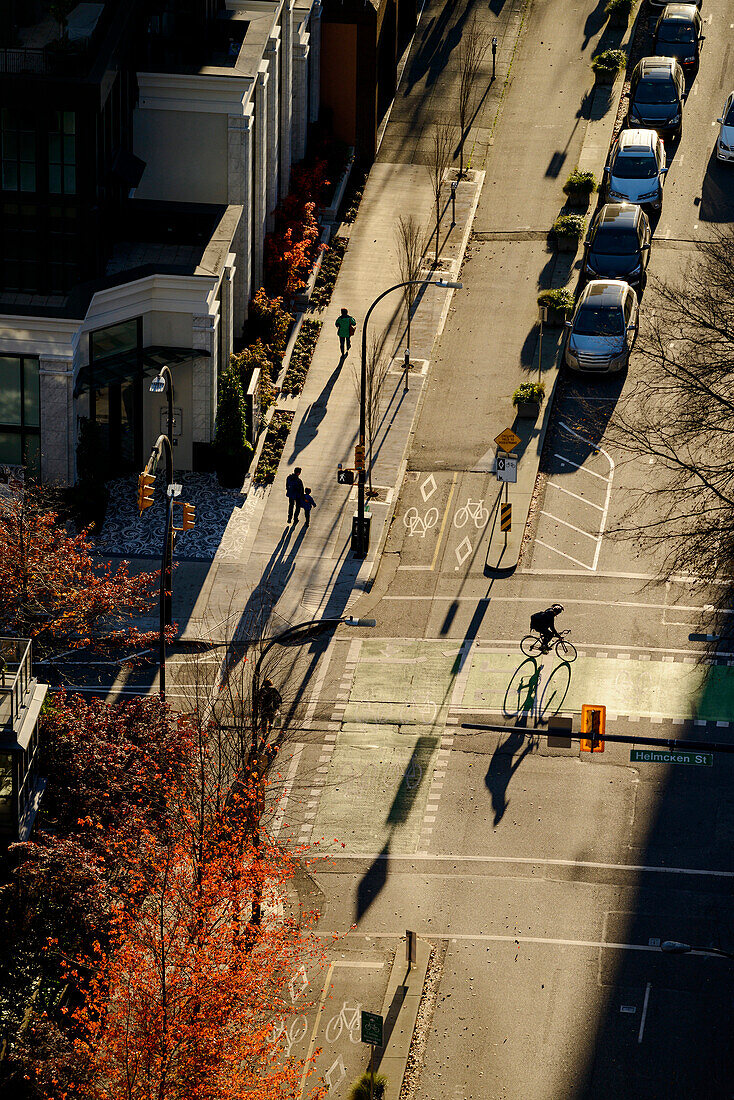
(361, 537)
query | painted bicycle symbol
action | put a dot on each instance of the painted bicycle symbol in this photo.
(413, 775)
(348, 1018)
(286, 1036)
(419, 525)
(473, 509)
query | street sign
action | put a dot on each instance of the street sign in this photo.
(507, 468)
(507, 440)
(671, 756)
(559, 733)
(505, 517)
(371, 1028)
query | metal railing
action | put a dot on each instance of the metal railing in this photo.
(16, 677)
(23, 60)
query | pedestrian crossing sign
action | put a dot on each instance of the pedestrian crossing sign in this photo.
(507, 440)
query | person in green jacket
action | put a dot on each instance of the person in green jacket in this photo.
(345, 326)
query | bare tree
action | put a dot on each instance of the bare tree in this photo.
(377, 367)
(411, 241)
(676, 421)
(472, 49)
(442, 143)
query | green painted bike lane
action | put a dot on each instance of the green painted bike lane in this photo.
(380, 772)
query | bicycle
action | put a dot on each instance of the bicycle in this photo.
(532, 646)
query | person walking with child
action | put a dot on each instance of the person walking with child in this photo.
(346, 327)
(294, 493)
(307, 503)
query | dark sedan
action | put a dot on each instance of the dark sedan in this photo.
(679, 34)
(618, 244)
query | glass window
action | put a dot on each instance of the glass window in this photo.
(6, 785)
(18, 150)
(20, 413)
(62, 154)
(110, 341)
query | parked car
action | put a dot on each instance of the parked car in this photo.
(603, 327)
(636, 169)
(657, 94)
(725, 141)
(618, 244)
(679, 34)
(657, 4)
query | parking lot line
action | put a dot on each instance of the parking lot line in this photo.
(577, 529)
(554, 485)
(574, 560)
(571, 462)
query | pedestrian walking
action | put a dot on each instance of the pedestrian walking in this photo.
(346, 327)
(307, 503)
(269, 702)
(294, 493)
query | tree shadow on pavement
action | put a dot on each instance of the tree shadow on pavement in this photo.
(434, 50)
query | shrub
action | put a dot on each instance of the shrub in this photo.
(620, 7)
(570, 226)
(275, 441)
(268, 322)
(360, 1090)
(301, 356)
(609, 62)
(353, 196)
(326, 278)
(580, 183)
(231, 443)
(528, 391)
(560, 300)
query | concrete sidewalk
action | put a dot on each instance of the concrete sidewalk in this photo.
(283, 569)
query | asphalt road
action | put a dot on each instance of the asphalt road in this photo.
(547, 879)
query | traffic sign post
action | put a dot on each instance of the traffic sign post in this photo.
(372, 1034)
(506, 468)
(508, 440)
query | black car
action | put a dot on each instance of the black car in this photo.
(679, 34)
(618, 244)
(657, 93)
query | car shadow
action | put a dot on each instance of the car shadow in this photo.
(717, 192)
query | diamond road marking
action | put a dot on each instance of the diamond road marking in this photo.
(298, 983)
(335, 1073)
(428, 488)
(463, 550)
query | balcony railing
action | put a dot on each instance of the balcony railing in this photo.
(23, 60)
(16, 677)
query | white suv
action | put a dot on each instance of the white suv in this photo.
(636, 169)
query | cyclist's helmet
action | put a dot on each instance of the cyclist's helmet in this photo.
(558, 608)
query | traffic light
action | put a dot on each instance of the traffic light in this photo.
(359, 456)
(593, 723)
(146, 482)
(188, 517)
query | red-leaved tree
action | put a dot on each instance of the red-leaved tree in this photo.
(54, 591)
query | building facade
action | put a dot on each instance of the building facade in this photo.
(143, 148)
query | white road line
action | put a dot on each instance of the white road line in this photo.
(323, 669)
(578, 530)
(571, 462)
(644, 1013)
(480, 937)
(609, 480)
(540, 542)
(555, 485)
(532, 861)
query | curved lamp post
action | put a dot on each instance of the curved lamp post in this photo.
(163, 382)
(675, 947)
(360, 543)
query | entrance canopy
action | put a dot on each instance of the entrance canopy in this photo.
(127, 364)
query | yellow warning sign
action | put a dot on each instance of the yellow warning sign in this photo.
(507, 440)
(505, 517)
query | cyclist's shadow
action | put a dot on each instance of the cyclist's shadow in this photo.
(502, 767)
(522, 690)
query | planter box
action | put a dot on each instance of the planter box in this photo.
(528, 410)
(555, 316)
(329, 214)
(578, 200)
(619, 18)
(566, 244)
(606, 79)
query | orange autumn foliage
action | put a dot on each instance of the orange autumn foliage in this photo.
(185, 998)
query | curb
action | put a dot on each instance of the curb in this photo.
(400, 1012)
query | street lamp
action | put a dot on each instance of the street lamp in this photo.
(163, 383)
(360, 537)
(675, 947)
(281, 639)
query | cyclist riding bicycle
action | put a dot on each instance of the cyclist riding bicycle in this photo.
(544, 623)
